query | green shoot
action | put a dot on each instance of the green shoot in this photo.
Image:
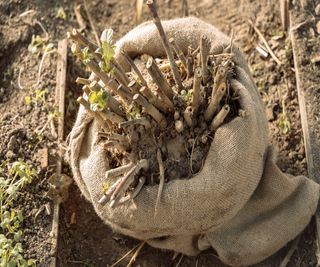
(39, 96)
(108, 49)
(12, 181)
(284, 123)
(186, 96)
(98, 100)
(39, 43)
(61, 14)
(133, 112)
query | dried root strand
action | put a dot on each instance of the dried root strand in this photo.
(165, 43)
(204, 52)
(151, 110)
(215, 101)
(161, 178)
(196, 99)
(126, 181)
(158, 78)
(220, 117)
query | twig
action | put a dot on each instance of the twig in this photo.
(290, 252)
(80, 20)
(165, 44)
(136, 253)
(126, 181)
(42, 28)
(92, 23)
(184, 9)
(178, 51)
(154, 100)
(265, 43)
(83, 81)
(196, 101)
(80, 39)
(204, 52)
(151, 110)
(125, 255)
(161, 178)
(179, 261)
(139, 8)
(158, 78)
(218, 120)
(134, 67)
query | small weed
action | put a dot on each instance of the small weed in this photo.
(284, 123)
(39, 96)
(133, 112)
(186, 96)
(61, 14)
(98, 100)
(39, 43)
(12, 180)
(108, 49)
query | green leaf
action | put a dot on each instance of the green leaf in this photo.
(27, 100)
(284, 123)
(108, 49)
(11, 263)
(98, 100)
(61, 14)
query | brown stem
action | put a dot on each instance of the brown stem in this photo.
(151, 110)
(185, 11)
(178, 51)
(134, 67)
(97, 116)
(86, 90)
(154, 100)
(218, 120)
(187, 115)
(189, 67)
(92, 23)
(124, 92)
(196, 99)
(142, 121)
(80, 39)
(80, 20)
(109, 115)
(204, 52)
(83, 81)
(165, 44)
(158, 78)
(215, 101)
(119, 73)
(127, 180)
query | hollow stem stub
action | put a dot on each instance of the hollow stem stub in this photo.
(154, 100)
(151, 110)
(158, 77)
(219, 118)
(204, 52)
(164, 40)
(187, 115)
(215, 101)
(83, 81)
(196, 99)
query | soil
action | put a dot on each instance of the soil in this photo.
(83, 239)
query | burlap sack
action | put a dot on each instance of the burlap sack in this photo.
(241, 204)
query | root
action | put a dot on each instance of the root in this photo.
(161, 178)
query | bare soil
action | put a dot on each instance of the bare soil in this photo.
(84, 240)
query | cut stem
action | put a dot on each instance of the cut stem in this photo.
(196, 99)
(80, 39)
(165, 44)
(151, 110)
(215, 101)
(83, 81)
(113, 173)
(178, 51)
(158, 78)
(154, 100)
(134, 67)
(204, 52)
(218, 120)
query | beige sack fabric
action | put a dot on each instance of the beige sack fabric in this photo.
(240, 203)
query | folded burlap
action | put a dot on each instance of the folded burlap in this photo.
(240, 203)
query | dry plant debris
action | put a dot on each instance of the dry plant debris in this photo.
(157, 122)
